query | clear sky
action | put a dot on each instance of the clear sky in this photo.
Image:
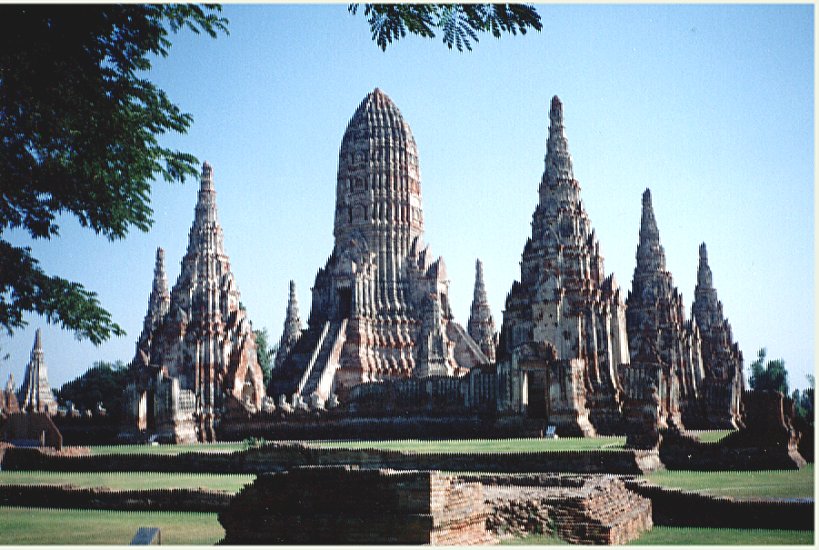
(709, 106)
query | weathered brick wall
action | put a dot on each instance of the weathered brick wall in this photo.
(343, 505)
(738, 451)
(67, 496)
(280, 457)
(578, 509)
(675, 507)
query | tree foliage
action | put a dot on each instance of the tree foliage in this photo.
(460, 24)
(79, 135)
(768, 376)
(803, 401)
(102, 383)
(265, 353)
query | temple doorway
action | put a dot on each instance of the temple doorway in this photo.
(536, 390)
(345, 302)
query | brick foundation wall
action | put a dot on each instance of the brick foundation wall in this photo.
(343, 505)
(280, 457)
(674, 507)
(161, 500)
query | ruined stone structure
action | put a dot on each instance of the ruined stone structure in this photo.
(196, 356)
(8, 400)
(665, 346)
(345, 505)
(563, 337)
(35, 394)
(292, 328)
(723, 384)
(380, 306)
(481, 326)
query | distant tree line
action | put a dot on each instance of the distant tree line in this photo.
(772, 375)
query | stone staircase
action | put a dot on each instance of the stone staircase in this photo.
(325, 357)
(286, 380)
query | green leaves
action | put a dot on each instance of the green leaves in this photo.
(79, 133)
(460, 23)
(771, 376)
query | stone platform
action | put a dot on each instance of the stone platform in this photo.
(345, 505)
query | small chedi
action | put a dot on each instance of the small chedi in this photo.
(723, 385)
(664, 345)
(481, 325)
(35, 394)
(380, 306)
(564, 328)
(196, 356)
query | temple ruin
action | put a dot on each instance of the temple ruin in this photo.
(196, 356)
(35, 394)
(380, 306)
(563, 337)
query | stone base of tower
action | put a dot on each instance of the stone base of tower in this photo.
(605, 412)
(567, 399)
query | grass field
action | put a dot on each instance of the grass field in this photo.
(81, 527)
(661, 536)
(130, 480)
(710, 436)
(771, 484)
(667, 536)
(168, 449)
(482, 445)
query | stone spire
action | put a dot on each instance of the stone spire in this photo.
(200, 336)
(558, 158)
(292, 328)
(707, 309)
(721, 357)
(158, 304)
(656, 320)
(564, 312)
(36, 392)
(481, 326)
(650, 253)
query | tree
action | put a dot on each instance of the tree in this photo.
(460, 23)
(79, 129)
(770, 376)
(102, 383)
(803, 401)
(265, 353)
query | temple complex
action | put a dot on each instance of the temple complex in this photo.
(196, 357)
(659, 333)
(380, 306)
(481, 326)
(723, 383)
(35, 394)
(563, 337)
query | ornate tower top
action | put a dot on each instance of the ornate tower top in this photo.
(292, 327)
(481, 326)
(707, 309)
(378, 193)
(558, 159)
(650, 253)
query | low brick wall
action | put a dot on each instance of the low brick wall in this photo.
(98, 498)
(590, 509)
(674, 507)
(735, 452)
(343, 505)
(281, 457)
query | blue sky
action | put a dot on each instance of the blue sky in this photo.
(710, 106)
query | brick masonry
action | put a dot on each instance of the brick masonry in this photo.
(345, 505)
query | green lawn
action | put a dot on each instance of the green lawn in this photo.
(168, 449)
(482, 445)
(80, 527)
(130, 480)
(710, 436)
(773, 484)
(661, 536)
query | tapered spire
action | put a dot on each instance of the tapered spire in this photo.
(481, 326)
(558, 159)
(650, 253)
(292, 327)
(707, 309)
(36, 392)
